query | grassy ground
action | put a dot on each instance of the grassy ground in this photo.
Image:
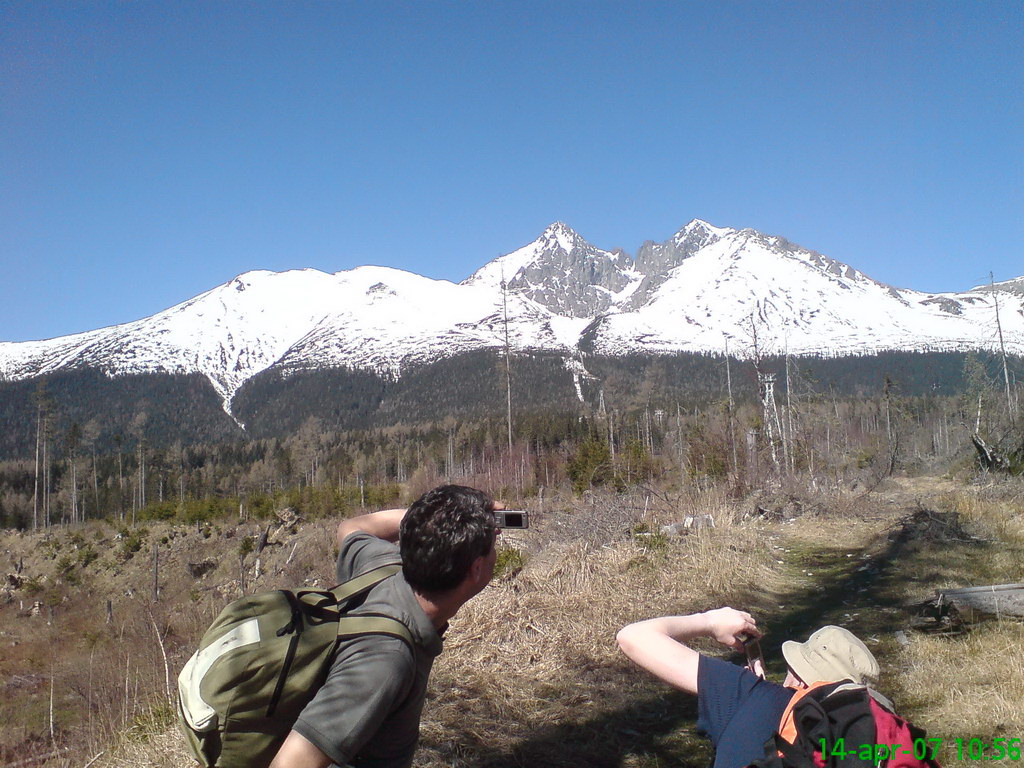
(531, 675)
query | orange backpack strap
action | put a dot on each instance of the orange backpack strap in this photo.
(787, 725)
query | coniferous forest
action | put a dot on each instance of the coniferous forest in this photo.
(82, 445)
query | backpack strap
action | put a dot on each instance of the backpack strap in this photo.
(804, 751)
(790, 754)
(348, 626)
(294, 627)
(373, 624)
(369, 623)
(364, 582)
(787, 724)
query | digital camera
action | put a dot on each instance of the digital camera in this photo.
(512, 518)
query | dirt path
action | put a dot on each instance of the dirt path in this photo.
(864, 573)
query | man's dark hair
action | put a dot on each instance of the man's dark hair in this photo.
(443, 532)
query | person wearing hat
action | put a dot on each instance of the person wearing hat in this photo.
(737, 709)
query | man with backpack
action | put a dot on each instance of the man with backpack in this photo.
(741, 712)
(368, 710)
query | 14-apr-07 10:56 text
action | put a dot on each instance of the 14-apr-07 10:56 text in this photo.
(928, 749)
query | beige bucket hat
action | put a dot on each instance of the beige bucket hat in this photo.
(830, 654)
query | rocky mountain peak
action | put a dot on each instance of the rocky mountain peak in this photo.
(563, 272)
(570, 276)
(655, 260)
(697, 234)
(561, 235)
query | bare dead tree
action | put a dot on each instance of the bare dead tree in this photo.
(163, 653)
(508, 356)
(35, 492)
(732, 408)
(156, 572)
(1002, 351)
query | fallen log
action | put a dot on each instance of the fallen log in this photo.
(994, 599)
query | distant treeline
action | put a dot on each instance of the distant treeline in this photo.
(162, 446)
(164, 409)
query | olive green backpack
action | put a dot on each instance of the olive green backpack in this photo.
(262, 661)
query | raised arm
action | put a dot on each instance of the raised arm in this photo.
(383, 525)
(660, 645)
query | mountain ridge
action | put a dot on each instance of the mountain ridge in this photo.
(705, 289)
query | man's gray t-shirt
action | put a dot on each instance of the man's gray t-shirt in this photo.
(367, 714)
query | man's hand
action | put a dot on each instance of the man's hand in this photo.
(757, 667)
(727, 624)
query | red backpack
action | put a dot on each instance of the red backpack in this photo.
(844, 726)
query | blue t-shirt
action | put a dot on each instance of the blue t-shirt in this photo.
(737, 710)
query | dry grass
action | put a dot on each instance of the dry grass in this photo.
(998, 511)
(970, 685)
(532, 662)
(155, 745)
(531, 674)
(534, 655)
(109, 679)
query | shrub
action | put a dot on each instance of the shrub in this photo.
(591, 465)
(246, 546)
(86, 555)
(65, 565)
(262, 506)
(635, 464)
(510, 562)
(652, 540)
(164, 510)
(199, 511)
(132, 541)
(50, 548)
(383, 495)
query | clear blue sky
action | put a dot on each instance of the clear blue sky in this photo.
(152, 150)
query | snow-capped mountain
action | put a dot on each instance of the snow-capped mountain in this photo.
(704, 289)
(738, 285)
(385, 318)
(227, 334)
(656, 260)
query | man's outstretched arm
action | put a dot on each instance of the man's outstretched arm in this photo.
(660, 645)
(383, 525)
